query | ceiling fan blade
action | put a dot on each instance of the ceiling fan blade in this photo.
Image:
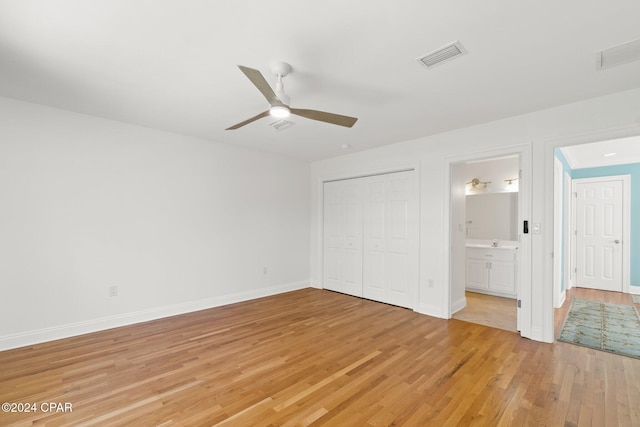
(335, 119)
(259, 81)
(246, 122)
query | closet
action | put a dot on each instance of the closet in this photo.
(371, 238)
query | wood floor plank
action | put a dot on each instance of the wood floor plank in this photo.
(315, 358)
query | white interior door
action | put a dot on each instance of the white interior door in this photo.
(333, 237)
(390, 239)
(599, 232)
(352, 199)
(402, 232)
(343, 237)
(375, 238)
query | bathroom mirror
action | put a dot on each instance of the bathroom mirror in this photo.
(492, 216)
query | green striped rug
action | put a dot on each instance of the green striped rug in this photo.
(604, 326)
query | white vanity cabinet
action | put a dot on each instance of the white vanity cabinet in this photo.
(492, 270)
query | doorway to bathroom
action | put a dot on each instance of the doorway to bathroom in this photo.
(486, 218)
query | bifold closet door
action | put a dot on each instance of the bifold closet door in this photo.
(371, 238)
(343, 236)
(390, 239)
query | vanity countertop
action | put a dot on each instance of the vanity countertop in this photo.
(487, 246)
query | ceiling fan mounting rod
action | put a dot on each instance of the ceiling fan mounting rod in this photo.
(279, 85)
(279, 90)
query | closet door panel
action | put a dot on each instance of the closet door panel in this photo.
(398, 266)
(342, 269)
(352, 202)
(333, 237)
(400, 225)
(375, 218)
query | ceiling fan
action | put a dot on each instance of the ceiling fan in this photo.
(279, 101)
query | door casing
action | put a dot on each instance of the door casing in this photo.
(524, 247)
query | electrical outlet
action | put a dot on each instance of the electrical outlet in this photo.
(430, 283)
(113, 291)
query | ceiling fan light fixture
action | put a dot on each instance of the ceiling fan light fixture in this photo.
(279, 111)
(279, 101)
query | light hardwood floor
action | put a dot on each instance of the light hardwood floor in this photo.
(489, 310)
(315, 357)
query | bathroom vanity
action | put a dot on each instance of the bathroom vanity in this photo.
(491, 269)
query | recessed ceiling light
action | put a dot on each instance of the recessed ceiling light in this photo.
(609, 154)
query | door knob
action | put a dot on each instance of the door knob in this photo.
(616, 241)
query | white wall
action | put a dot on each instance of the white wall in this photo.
(177, 223)
(583, 121)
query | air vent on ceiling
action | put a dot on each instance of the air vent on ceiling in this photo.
(444, 54)
(280, 125)
(618, 55)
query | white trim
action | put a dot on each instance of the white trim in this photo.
(316, 285)
(341, 176)
(634, 290)
(563, 298)
(557, 231)
(567, 203)
(432, 310)
(22, 339)
(524, 212)
(458, 305)
(369, 174)
(493, 293)
(626, 221)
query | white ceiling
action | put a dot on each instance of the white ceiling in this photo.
(605, 153)
(172, 64)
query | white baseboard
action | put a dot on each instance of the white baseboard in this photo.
(22, 339)
(635, 290)
(561, 299)
(431, 310)
(458, 305)
(315, 284)
(537, 334)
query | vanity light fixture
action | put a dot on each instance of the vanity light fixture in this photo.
(475, 182)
